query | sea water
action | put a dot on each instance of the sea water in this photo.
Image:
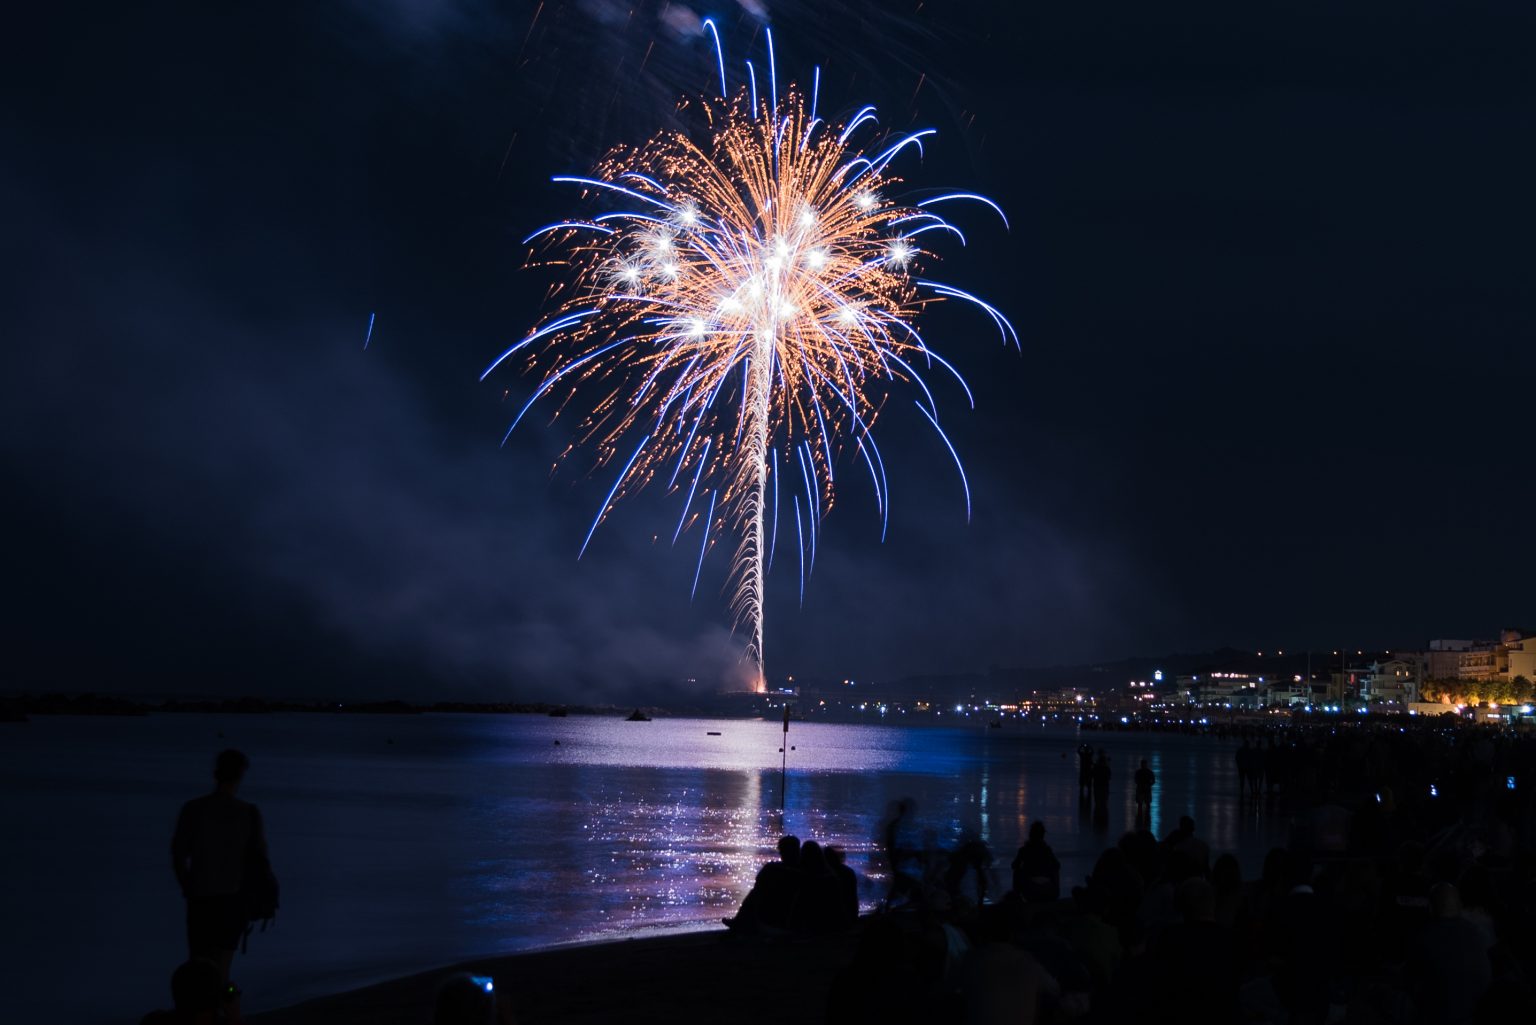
(405, 842)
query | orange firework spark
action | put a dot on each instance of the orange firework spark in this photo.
(745, 321)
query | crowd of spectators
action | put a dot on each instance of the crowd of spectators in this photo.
(810, 890)
(1406, 894)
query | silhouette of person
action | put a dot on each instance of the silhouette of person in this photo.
(1101, 778)
(1227, 880)
(216, 837)
(971, 858)
(1305, 940)
(900, 854)
(1256, 772)
(1144, 778)
(1245, 769)
(847, 886)
(1036, 872)
(816, 909)
(1448, 961)
(1184, 841)
(1000, 982)
(1193, 965)
(772, 897)
(1272, 766)
(1084, 771)
(882, 982)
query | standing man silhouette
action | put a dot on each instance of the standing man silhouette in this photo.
(1144, 778)
(219, 840)
(1084, 771)
(1101, 779)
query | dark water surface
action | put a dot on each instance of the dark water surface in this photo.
(405, 842)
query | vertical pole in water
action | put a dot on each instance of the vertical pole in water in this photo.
(784, 757)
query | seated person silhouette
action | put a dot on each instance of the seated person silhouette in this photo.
(847, 886)
(1036, 872)
(818, 908)
(772, 898)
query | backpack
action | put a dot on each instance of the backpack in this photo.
(258, 884)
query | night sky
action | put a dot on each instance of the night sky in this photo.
(1271, 265)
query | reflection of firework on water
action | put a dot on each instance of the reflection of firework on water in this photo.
(740, 320)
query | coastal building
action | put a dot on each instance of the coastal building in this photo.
(1480, 664)
(1185, 689)
(1295, 691)
(1444, 658)
(1223, 688)
(1392, 684)
(1522, 660)
(1351, 684)
(1468, 660)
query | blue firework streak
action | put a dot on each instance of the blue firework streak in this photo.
(743, 306)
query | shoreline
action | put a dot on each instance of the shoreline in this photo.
(697, 975)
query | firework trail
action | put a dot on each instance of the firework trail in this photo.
(744, 314)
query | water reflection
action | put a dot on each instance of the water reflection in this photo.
(673, 822)
(407, 842)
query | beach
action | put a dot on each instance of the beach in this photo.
(700, 976)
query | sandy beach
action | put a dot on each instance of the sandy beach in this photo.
(711, 976)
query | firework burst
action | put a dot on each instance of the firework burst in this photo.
(741, 321)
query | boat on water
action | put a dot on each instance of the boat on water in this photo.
(638, 716)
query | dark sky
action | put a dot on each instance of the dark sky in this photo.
(1271, 265)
